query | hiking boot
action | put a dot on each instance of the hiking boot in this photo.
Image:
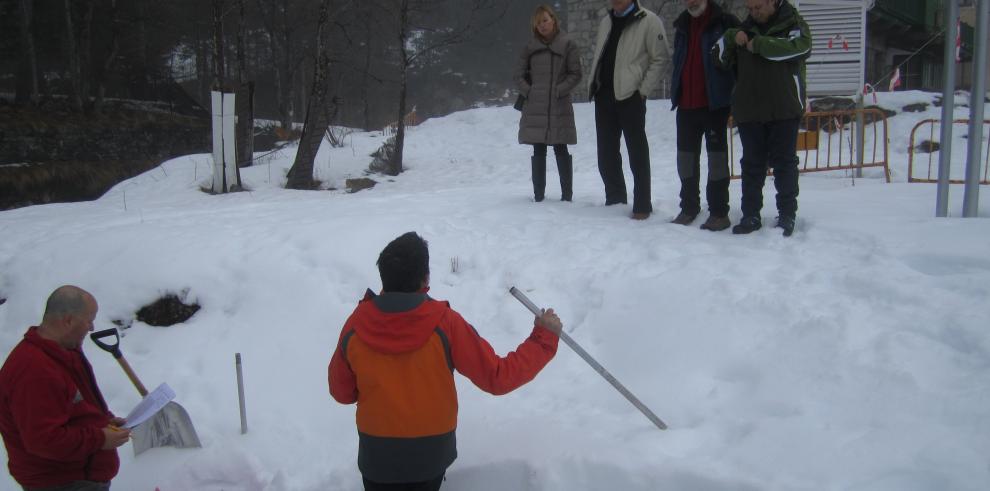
(715, 223)
(640, 215)
(684, 218)
(747, 225)
(786, 223)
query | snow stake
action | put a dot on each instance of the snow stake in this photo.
(591, 361)
(240, 392)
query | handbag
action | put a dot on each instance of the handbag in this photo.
(520, 102)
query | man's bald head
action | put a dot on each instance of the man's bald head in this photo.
(69, 316)
(66, 300)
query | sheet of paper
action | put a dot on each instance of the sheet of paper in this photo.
(151, 404)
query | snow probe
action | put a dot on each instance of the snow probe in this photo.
(170, 426)
(591, 361)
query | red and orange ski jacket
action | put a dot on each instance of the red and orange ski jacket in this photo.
(395, 358)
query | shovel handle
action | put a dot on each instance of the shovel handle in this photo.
(114, 349)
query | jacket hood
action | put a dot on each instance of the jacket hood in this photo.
(558, 45)
(54, 351)
(397, 322)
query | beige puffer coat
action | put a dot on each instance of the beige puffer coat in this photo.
(554, 69)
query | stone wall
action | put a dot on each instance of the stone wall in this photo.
(51, 155)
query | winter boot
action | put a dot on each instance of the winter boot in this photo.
(565, 167)
(539, 164)
(716, 223)
(684, 218)
(786, 223)
(747, 225)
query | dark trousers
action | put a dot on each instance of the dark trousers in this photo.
(76, 486)
(559, 150)
(770, 143)
(623, 119)
(431, 485)
(692, 125)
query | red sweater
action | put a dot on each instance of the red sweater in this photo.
(693, 94)
(52, 416)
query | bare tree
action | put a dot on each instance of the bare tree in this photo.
(423, 28)
(109, 61)
(77, 47)
(26, 91)
(281, 24)
(300, 176)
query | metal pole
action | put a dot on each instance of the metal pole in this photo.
(971, 196)
(948, 107)
(240, 392)
(591, 361)
(860, 135)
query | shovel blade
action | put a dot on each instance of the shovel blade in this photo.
(170, 427)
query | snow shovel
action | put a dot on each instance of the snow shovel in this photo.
(170, 426)
(594, 364)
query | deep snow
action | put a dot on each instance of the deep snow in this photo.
(852, 356)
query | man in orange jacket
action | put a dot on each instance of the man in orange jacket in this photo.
(395, 358)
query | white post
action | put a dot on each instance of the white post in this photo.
(218, 181)
(224, 147)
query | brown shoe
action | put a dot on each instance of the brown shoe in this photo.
(640, 216)
(684, 218)
(715, 223)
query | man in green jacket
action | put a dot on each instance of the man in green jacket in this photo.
(768, 52)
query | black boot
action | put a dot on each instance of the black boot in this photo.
(539, 177)
(565, 168)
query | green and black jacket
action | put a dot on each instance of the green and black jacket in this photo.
(770, 80)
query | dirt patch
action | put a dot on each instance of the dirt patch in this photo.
(927, 146)
(358, 184)
(167, 311)
(915, 108)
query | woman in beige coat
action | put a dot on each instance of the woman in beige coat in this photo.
(549, 68)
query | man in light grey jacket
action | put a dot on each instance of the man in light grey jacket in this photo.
(626, 68)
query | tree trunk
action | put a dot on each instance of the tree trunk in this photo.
(275, 17)
(366, 113)
(26, 91)
(75, 65)
(317, 116)
(395, 166)
(245, 99)
(219, 69)
(108, 63)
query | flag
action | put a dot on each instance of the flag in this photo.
(895, 81)
(838, 37)
(958, 41)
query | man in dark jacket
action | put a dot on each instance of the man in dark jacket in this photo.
(701, 95)
(768, 52)
(396, 356)
(56, 426)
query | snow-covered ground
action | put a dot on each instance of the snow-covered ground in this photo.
(854, 355)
